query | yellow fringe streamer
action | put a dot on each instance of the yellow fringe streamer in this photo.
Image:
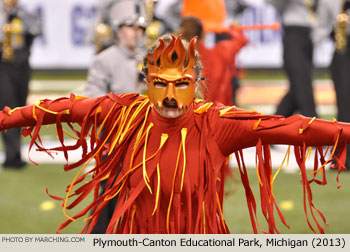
(121, 130)
(330, 157)
(80, 171)
(203, 206)
(70, 135)
(172, 190)
(105, 119)
(144, 171)
(158, 190)
(183, 140)
(132, 217)
(257, 172)
(286, 156)
(135, 114)
(140, 133)
(220, 212)
(163, 140)
(308, 153)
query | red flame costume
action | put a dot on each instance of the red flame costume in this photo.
(219, 66)
(172, 169)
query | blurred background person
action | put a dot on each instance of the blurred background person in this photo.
(19, 28)
(297, 18)
(117, 68)
(333, 20)
(218, 61)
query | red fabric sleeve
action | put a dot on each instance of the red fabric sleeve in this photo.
(237, 131)
(72, 109)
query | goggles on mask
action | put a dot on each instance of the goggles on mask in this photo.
(168, 76)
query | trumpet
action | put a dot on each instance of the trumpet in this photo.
(340, 35)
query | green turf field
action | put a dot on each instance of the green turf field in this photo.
(26, 208)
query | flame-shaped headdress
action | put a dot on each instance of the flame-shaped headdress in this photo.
(167, 66)
(161, 63)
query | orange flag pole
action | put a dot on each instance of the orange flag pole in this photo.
(273, 26)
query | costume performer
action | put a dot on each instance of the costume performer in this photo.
(172, 149)
(19, 28)
(219, 61)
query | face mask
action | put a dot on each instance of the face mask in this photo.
(168, 79)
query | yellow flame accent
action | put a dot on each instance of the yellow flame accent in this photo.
(198, 100)
(312, 120)
(37, 105)
(203, 108)
(204, 229)
(13, 110)
(256, 125)
(224, 111)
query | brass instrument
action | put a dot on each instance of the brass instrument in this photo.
(7, 29)
(12, 39)
(103, 36)
(153, 29)
(340, 32)
(7, 49)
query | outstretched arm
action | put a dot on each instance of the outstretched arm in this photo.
(238, 129)
(72, 109)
